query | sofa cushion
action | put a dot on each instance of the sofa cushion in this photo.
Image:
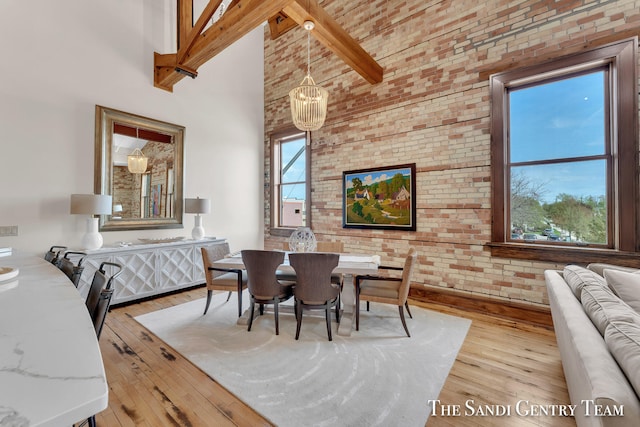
(603, 306)
(623, 340)
(625, 285)
(576, 277)
(599, 268)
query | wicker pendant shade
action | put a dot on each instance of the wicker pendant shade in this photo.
(137, 162)
(308, 101)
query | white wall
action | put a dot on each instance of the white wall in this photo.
(61, 58)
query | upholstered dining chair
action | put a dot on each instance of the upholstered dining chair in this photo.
(321, 246)
(314, 288)
(326, 246)
(264, 287)
(221, 279)
(73, 271)
(388, 290)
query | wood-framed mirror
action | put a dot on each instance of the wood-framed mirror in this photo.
(148, 200)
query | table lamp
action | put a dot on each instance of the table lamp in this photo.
(91, 204)
(197, 206)
(117, 211)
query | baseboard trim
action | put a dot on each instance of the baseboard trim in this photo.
(512, 311)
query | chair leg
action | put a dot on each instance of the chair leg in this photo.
(206, 307)
(357, 309)
(253, 306)
(239, 290)
(275, 313)
(367, 305)
(338, 309)
(406, 305)
(327, 315)
(229, 296)
(92, 421)
(400, 308)
(299, 318)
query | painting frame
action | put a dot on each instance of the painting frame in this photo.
(376, 198)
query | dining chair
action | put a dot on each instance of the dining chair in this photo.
(100, 281)
(98, 302)
(220, 279)
(388, 290)
(327, 246)
(73, 271)
(314, 288)
(264, 287)
(53, 255)
(321, 246)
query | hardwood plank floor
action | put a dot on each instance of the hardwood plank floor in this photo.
(150, 384)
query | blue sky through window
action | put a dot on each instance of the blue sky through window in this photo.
(296, 171)
(556, 120)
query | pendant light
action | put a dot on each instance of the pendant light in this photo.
(137, 161)
(308, 101)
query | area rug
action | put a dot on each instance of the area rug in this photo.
(375, 377)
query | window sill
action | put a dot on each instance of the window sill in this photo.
(563, 254)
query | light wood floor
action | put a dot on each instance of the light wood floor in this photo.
(150, 384)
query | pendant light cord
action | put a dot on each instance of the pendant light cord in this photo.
(309, 52)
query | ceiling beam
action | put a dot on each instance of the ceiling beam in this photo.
(328, 32)
(195, 31)
(280, 24)
(240, 18)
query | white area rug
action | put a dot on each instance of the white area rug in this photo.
(376, 377)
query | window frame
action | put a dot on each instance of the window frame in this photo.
(276, 139)
(621, 58)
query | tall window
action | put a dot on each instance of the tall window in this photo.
(290, 180)
(564, 150)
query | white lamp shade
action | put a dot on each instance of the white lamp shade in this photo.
(197, 206)
(91, 204)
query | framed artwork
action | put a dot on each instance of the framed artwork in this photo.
(380, 198)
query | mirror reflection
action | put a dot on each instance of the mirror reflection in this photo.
(139, 162)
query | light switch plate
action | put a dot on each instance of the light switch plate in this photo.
(9, 230)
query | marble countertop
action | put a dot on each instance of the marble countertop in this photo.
(51, 370)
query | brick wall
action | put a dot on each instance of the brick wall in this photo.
(432, 108)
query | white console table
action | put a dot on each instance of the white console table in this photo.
(149, 269)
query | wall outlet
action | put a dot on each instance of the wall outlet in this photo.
(8, 230)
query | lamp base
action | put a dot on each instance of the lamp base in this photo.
(92, 239)
(198, 230)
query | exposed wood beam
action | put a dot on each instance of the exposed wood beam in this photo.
(193, 34)
(280, 24)
(328, 32)
(240, 18)
(234, 24)
(185, 20)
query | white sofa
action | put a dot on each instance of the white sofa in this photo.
(598, 336)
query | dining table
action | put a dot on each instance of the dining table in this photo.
(349, 265)
(51, 368)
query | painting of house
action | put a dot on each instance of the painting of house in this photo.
(379, 198)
